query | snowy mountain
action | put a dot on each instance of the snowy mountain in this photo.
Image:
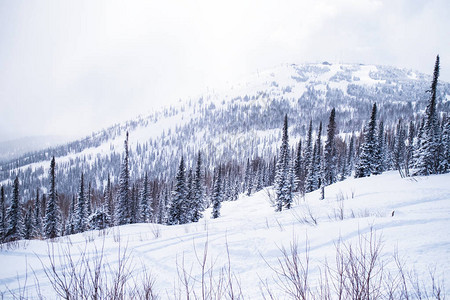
(408, 218)
(233, 123)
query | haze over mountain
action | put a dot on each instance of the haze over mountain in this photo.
(236, 122)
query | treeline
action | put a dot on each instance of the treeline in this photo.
(322, 157)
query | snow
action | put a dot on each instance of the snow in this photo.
(254, 234)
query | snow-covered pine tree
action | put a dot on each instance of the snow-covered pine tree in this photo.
(329, 163)
(216, 197)
(189, 195)
(88, 199)
(298, 167)
(3, 219)
(366, 165)
(29, 231)
(52, 222)
(99, 219)
(198, 191)
(109, 200)
(283, 175)
(308, 152)
(145, 210)
(379, 152)
(351, 155)
(249, 180)
(134, 204)
(14, 230)
(37, 215)
(445, 162)
(122, 213)
(178, 205)
(429, 157)
(71, 218)
(399, 148)
(81, 214)
(315, 175)
(409, 148)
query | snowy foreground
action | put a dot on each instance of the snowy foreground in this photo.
(419, 230)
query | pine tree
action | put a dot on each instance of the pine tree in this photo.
(109, 200)
(2, 214)
(314, 178)
(198, 192)
(248, 182)
(72, 218)
(308, 151)
(445, 161)
(366, 162)
(329, 170)
(145, 209)
(379, 153)
(178, 205)
(37, 215)
(298, 167)
(410, 148)
(89, 201)
(283, 178)
(429, 151)
(399, 150)
(52, 221)
(14, 230)
(216, 198)
(351, 155)
(122, 214)
(81, 214)
(29, 232)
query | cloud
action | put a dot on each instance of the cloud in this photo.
(95, 63)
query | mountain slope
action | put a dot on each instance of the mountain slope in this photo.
(235, 122)
(254, 234)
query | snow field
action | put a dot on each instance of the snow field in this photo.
(253, 234)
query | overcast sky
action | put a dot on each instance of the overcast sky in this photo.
(72, 67)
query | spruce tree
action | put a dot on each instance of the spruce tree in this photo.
(52, 221)
(429, 150)
(122, 214)
(2, 214)
(198, 191)
(399, 150)
(37, 215)
(314, 178)
(145, 210)
(248, 183)
(283, 178)
(409, 158)
(351, 155)
(178, 205)
(298, 167)
(72, 218)
(109, 200)
(329, 170)
(14, 230)
(216, 198)
(81, 213)
(29, 232)
(366, 162)
(308, 151)
(445, 161)
(379, 152)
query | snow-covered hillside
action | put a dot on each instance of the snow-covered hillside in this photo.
(409, 215)
(234, 122)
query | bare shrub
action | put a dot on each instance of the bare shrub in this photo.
(89, 276)
(360, 271)
(307, 217)
(211, 282)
